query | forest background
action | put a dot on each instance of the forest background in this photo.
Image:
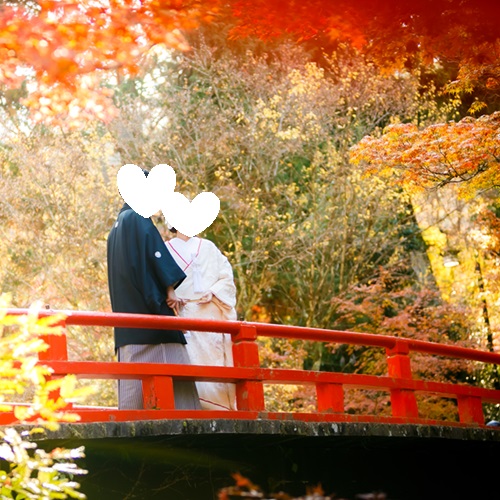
(352, 161)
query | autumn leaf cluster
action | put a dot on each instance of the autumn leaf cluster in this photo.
(65, 47)
(33, 472)
(69, 47)
(465, 152)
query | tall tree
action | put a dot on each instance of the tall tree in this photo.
(58, 200)
(270, 136)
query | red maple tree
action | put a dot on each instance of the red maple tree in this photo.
(61, 42)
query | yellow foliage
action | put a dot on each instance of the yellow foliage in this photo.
(20, 370)
(34, 471)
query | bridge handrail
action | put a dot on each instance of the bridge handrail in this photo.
(90, 318)
(249, 377)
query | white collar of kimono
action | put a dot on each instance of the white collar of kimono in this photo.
(187, 251)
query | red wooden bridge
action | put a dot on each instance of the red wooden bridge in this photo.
(250, 377)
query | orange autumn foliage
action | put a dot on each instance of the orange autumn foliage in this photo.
(60, 42)
(404, 34)
(244, 488)
(466, 152)
(393, 32)
(244, 482)
(392, 305)
(66, 47)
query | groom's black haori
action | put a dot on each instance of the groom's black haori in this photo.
(140, 271)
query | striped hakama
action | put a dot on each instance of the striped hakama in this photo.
(130, 391)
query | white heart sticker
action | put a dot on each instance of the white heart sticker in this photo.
(191, 218)
(146, 195)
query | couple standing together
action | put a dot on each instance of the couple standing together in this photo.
(187, 275)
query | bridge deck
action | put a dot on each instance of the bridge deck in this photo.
(284, 428)
(193, 459)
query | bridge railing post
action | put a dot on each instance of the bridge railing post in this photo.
(57, 351)
(330, 398)
(57, 347)
(470, 410)
(403, 401)
(158, 393)
(249, 394)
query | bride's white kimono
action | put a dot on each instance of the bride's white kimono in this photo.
(207, 270)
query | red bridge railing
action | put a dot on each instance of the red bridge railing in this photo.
(249, 377)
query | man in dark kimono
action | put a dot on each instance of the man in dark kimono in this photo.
(142, 276)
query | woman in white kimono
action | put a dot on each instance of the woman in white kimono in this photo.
(208, 292)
